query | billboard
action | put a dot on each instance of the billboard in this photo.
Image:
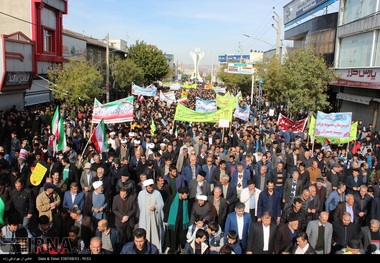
(240, 68)
(300, 9)
(224, 58)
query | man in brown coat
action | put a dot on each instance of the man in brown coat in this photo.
(124, 207)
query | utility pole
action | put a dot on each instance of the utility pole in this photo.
(278, 29)
(108, 68)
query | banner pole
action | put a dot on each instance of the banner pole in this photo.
(89, 139)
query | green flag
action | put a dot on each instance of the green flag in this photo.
(152, 127)
(312, 126)
(2, 209)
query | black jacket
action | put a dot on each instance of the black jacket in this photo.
(23, 202)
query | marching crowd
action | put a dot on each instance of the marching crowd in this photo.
(184, 188)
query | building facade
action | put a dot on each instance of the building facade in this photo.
(357, 60)
(31, 43)
(349, 41)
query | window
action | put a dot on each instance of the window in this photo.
(48, 40)
(91, 56)
(354, 9)
(355, 51)
(99, 58)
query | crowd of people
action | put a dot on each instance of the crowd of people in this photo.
(184, 188)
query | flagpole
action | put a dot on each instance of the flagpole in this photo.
(92, 127)
(88, 141)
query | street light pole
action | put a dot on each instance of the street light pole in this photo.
(252, 86)
(108, 69)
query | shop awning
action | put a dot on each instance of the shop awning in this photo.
(354, 98)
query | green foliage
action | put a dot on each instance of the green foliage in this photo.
(125, 72)
(150, 59)
(78, 79)
(185, 76)
(301, 81)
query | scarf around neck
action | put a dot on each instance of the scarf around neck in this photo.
(174, 211)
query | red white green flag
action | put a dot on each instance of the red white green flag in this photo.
(55, 124)
(99, 138)
(62, 135)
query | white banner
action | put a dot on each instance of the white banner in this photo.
(149, 91)
(168, 97)
(175, 86)
(242, 113)
(205, 105)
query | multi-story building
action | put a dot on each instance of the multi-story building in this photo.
(30, 44)
(33, 41)
(357, 60)
(349, 41)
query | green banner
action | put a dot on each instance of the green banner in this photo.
(184, 114)
(188, 86)
(225, 101)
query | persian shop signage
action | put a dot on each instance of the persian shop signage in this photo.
(18, 79)
(359, 78)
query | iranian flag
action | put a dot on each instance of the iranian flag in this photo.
(58, 129)
(55, 123)
(62, 135)
(99, 138)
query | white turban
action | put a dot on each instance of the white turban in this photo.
(148, 182)
(202, 197)
(97, 184)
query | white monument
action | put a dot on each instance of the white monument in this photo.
(196, 56)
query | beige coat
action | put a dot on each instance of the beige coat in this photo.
(43, 204)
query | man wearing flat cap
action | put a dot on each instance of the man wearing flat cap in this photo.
(48, 201)
(334, 175)
(151, 213)
(286, 235)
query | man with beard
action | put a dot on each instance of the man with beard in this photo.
(150, 204)
(177, 219)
